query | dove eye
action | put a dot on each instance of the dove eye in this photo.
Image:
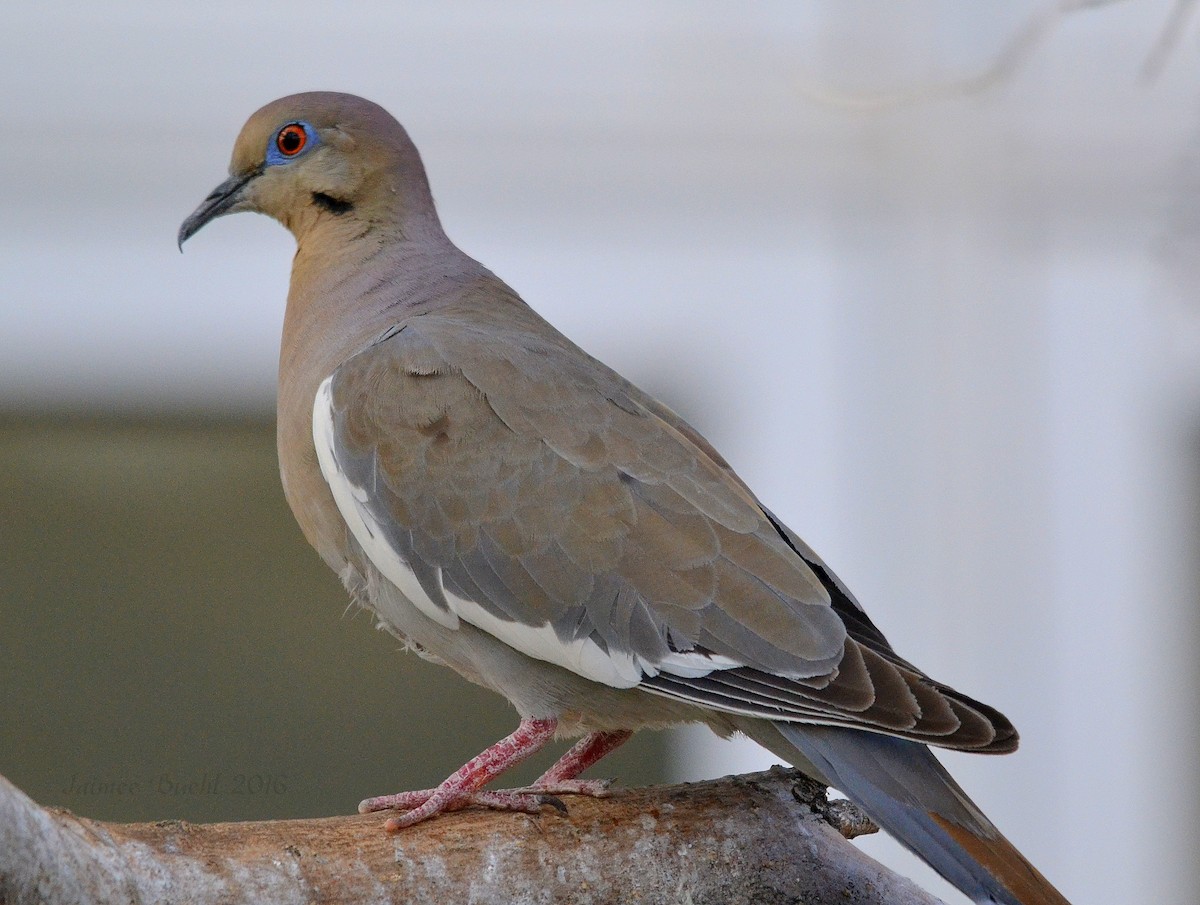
(290, 142)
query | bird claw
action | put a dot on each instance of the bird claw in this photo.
(527, 800)
(463, 788)
(412, 803)
(401, 801)
(592, 788)
(553, 801)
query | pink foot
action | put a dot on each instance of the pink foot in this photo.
(593, 788)
(527, 800)
(464, 788)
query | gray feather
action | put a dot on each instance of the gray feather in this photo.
(907, 791)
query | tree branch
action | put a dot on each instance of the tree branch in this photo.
(763, 838)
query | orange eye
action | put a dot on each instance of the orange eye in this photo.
(291, 140)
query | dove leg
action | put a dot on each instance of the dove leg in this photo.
(560, 779)
(462, 787)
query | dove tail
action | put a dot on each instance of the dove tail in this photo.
(907, 791)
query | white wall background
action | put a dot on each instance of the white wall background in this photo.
(952, 339)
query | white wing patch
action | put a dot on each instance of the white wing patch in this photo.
(352, 503)
(583, 656)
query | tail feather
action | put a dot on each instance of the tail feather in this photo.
(907, 791)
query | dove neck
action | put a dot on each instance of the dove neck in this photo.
(345, 273)
(345, 294)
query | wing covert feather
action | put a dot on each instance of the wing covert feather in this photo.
(512, 471)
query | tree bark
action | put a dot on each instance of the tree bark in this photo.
(763, 838)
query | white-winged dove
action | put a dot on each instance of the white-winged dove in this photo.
(514, 509)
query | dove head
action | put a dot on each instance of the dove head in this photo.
(324, 159)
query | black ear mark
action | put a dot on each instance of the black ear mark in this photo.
(331, 204)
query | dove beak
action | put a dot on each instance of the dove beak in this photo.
(224, 199)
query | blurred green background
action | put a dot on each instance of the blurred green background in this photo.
(175, 649)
